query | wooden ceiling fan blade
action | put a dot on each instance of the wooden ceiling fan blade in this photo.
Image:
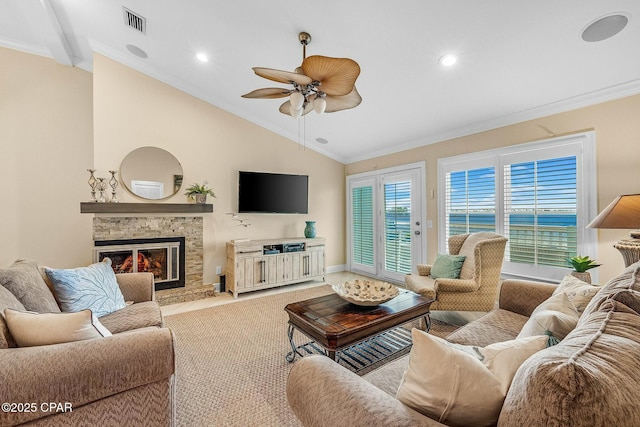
(338, 103)
(282, 76)
(337, 75)
(268, 93)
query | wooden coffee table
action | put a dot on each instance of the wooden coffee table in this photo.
(336, 324)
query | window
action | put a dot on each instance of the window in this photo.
(539, 195)
(471, 201)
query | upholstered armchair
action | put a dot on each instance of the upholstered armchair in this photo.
(476, 288)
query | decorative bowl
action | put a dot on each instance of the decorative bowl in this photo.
(366, 292)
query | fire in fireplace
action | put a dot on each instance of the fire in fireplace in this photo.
(164, 257)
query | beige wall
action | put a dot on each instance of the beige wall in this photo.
(617, 140)
(46, 145)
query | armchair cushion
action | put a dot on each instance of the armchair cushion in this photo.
(31, 329)
(447, 266)
(94, 287)
(24, 281)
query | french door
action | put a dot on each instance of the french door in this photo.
(385, 222)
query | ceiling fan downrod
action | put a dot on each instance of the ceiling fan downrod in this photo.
(305, 39)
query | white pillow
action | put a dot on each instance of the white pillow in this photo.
(461, 385)
(579, 292)
(504, 358)
(556, 315)
(30, 329)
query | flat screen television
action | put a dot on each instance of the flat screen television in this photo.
(262, 192)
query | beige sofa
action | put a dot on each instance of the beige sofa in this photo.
(124, 379)
(589, 379)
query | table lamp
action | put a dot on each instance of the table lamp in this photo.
(623, 212)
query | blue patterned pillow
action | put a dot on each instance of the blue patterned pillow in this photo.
(93, 287)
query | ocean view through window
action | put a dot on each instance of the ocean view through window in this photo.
(539, 201)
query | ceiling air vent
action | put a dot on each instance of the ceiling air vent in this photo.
(135, 21)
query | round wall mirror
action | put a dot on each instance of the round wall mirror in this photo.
(151, 173)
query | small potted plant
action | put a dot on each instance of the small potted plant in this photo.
(199, 192)
(580, 266)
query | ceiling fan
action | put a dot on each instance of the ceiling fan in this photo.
(321, 83)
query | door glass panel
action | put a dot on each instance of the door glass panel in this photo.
(362, 226)
(397, 227)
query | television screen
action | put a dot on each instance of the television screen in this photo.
(261, 192)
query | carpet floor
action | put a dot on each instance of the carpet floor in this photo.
(231, 368)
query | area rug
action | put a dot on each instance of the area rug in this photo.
(231, 367)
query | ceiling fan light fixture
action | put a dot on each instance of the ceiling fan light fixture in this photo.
(297, 100)
(295, 112)
(319, 105)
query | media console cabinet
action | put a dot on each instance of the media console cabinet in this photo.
(263, 264)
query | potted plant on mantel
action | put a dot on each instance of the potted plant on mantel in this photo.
(199, 192)
(580, 266)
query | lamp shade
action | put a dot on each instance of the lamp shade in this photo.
(623, 212)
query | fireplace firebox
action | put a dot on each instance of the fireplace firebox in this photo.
(163, 256)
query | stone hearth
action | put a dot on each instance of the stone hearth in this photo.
(191, 228)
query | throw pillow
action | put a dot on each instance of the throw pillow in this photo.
(32, 329)
(24, 281)
(447, 266)
(94, 287)
(579, 292)
(556, 315)
(7, 300)
(504, 358)
(448, 384)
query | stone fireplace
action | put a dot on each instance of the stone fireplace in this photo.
(190, 229)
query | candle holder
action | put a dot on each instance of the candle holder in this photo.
(92, 183)
(113, 182)
(101, 186)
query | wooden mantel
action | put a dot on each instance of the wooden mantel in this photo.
(136, 208)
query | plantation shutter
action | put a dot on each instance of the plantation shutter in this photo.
(362, 225)
(397, 226)
(470, 200)
(540, 211)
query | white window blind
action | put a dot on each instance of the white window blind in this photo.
(540, 211)
(362, 225)
(470, 201)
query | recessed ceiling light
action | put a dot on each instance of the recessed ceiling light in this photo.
(202, 57)
(448, 60)
(322, 141)
(136, 51)
(604, 27)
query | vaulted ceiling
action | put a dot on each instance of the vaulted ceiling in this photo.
(517, 60)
